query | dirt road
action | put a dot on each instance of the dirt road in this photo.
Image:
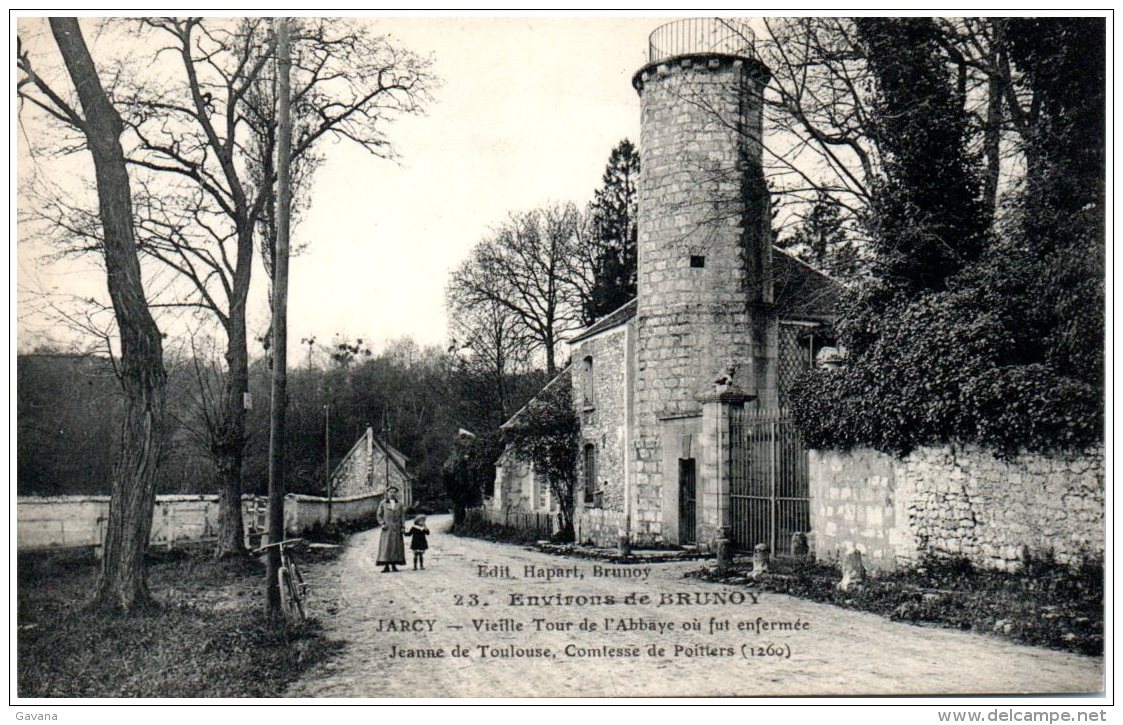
(773, 645)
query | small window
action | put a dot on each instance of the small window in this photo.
(587, 382)
(590, 473)
(697, 261)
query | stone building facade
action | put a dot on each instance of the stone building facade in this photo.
(518, 487)
(705, 309)
(704, 274)
(603, 395)
(369, 466)
(678, 392)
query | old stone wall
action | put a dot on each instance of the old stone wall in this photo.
(303, 512)
(602, 409)
(946, 501)
(599, 526)
(48, 522)
(704, 252)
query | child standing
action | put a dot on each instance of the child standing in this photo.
(418, 542)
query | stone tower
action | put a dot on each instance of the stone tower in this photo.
(704, 285)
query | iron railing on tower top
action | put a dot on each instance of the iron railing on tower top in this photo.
(692, 36)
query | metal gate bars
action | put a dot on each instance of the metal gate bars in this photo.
(768, 480)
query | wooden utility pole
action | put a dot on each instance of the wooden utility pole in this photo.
(279, 397)
(386, 447)
(327, 455)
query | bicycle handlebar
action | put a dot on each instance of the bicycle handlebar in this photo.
(282, 544)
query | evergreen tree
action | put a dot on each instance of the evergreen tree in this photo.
(821, 240)
(613, 217)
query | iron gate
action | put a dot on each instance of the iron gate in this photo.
(768, 481)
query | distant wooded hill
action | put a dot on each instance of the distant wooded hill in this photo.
(69, 410)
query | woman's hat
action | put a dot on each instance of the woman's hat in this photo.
(395, 489)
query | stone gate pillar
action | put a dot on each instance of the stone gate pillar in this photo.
(718, 408)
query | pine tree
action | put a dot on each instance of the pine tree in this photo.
(613, 216)
(821, 240)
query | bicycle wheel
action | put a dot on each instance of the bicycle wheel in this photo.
(291, 604)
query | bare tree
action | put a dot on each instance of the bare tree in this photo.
(492, 345)
(121, 583)
(816, 126)
(818, 138)
(526, 266)
(204, 152)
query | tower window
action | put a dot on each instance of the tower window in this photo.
(697, 261)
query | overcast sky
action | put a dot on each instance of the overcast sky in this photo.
(527, 112)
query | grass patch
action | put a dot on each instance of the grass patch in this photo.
(1047, 604)
(206, 636)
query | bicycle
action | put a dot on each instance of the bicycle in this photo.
(290, 580)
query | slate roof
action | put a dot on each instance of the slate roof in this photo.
(802, 292)
(617, 317)
(562, 378)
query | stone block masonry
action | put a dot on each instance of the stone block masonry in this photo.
(957, 502)
(704, 253)
(599, 393)
(599, 526)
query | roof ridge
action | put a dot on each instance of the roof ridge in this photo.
(541, 390)
(805, 263)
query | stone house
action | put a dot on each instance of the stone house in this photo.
(518, 488)
(716, 301)
(367, 468)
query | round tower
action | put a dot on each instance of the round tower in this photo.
(704, 278)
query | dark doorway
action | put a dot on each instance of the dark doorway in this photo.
(687, 502)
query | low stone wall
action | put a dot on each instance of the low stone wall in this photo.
(47, 522)
(600, 526)
(303, 512)
(44, 522)
(946, 501)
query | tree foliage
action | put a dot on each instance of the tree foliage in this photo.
(821, 239)
(999, 342)
(613, 234)
(546, 433)
(924, 216)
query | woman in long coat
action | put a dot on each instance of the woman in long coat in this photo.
(391, 545)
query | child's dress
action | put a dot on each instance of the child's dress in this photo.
(417, 538)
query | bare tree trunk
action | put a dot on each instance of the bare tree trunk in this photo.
(230, 438)
(279, 397)
(121, 583)
(992, 141)
(551, 362)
